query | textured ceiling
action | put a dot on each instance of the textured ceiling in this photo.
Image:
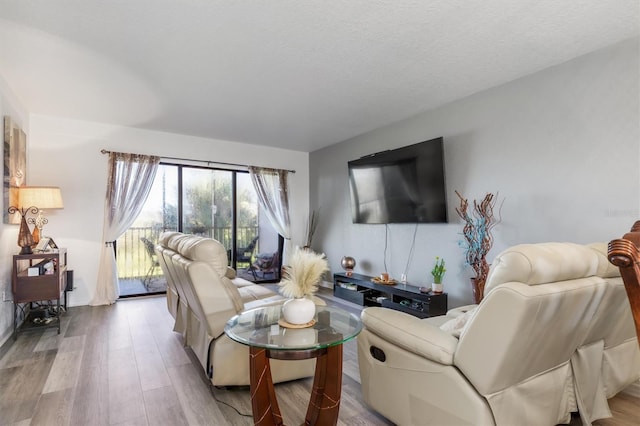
(285, 73)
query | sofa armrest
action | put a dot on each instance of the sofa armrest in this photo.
(460, 310)
(411, 334)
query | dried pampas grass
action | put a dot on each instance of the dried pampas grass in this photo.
(302, 275)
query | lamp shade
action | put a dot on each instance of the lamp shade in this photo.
(42, 197)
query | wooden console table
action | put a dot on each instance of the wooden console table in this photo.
(360, 289)
(259, 329)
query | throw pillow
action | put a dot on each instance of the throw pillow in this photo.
(231, 273)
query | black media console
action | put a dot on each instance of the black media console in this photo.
(360, 289)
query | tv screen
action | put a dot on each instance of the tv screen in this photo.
(404, 185)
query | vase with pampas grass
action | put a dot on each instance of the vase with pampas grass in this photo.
(299, 282)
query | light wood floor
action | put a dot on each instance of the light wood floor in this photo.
(122, 365)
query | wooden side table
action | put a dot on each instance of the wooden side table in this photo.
(260, 330)
(30, 283)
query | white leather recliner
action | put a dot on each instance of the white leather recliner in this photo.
(547, 339)
(202, 295)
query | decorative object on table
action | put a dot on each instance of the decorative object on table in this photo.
(348, 263)
(312, 224)
(15, 166)
(24, 205)
(25, 239)
(298, 311)
(477, 238)
(286, 324)
(384, 281)
(438, 272)
(300, 280)
(45, 244)
(43, 197)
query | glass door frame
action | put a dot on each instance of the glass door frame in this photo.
(234, 209)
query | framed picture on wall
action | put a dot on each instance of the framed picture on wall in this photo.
(15, 166)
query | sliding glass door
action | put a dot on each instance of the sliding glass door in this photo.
(214, 203)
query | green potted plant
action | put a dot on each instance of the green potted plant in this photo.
(438, 272)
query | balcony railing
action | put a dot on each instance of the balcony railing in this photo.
(134, 261)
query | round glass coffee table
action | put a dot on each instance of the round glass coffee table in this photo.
(261, 329)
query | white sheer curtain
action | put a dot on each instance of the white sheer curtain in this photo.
(130, 180)
(273, 195)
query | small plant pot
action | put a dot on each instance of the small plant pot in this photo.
(436, 287)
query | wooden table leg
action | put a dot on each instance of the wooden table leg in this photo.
(324, 404)
(263, 397)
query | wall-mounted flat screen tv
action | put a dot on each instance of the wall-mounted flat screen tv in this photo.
(404, 185)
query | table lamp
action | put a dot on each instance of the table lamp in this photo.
(43, 198)
(34, 199)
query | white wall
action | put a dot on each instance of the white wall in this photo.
(11, 106)
(561, 147)
(66, 153)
